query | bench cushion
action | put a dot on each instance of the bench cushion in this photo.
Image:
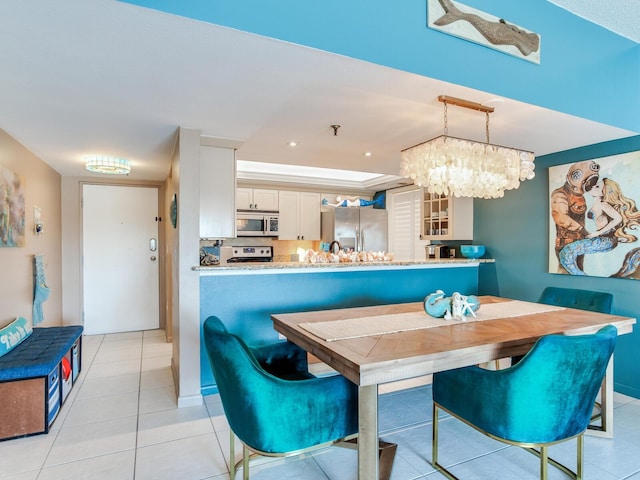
(38, 354)
(14, 334)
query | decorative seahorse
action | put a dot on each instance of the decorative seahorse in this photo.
(436, 305)
(497, 33)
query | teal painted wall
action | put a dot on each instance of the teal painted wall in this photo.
(516, 231)
(585, 70)
(245, 302)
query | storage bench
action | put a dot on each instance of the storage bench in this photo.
(35, 379)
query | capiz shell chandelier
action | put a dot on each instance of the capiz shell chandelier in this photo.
(465, 168)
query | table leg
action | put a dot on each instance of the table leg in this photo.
(368, 468)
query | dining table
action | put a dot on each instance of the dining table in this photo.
(375, 345)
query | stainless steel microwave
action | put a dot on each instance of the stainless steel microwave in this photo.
(256, 224)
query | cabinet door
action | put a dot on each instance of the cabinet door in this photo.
(244, 198)
(217, 192)
(289, 208)
(265, 199)
(309, 216)
(446, 218)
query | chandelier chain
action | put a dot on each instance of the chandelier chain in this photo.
(487, 126)
(446, 122)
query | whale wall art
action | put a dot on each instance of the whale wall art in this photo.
(479, 27)
(594, 221)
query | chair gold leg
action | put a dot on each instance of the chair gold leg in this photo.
(232, 455)
(434, 436)
(543, 463)
(580, 455)
(245, 463)
(434, 447)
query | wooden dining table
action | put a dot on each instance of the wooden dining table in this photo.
(380, 344)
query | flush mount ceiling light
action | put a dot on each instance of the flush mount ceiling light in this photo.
(108, 165)
(464, 168)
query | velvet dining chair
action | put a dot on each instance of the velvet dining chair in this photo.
(272, 415)
(544, 399)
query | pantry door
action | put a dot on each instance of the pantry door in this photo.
(120, 258)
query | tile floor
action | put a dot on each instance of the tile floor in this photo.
(121, 422)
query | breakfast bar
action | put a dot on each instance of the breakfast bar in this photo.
(245, 296)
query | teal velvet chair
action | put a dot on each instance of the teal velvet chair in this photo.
(544, 399)
(272, 415)
(575, 298)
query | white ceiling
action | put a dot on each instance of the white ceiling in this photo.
(103, 77)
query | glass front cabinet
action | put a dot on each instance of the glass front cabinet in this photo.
(446, 217)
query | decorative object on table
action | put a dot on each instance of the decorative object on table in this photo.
(173, 210)
(480, 27)
(472, 251)
(596, 213)
(455, 307)
(12, 210)
(465, 168)
(40, 290)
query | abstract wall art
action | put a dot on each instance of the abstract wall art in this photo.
(12, 210)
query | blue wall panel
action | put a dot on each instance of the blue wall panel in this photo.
(245, 303)
(579, 60)
(516, 231)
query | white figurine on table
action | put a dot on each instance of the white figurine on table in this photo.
(460, 306)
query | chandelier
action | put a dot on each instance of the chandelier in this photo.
(464, 168)
(109, 165)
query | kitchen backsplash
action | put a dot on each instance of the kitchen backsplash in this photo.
(282, 249)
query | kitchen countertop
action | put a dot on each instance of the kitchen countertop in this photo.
(301, 267)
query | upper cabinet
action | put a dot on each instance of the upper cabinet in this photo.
(256, 199)
(299, 215)
(217, 192)
(446, 218)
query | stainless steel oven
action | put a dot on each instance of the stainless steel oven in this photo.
(256, 224)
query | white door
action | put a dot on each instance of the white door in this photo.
(120, 258)
(404, 225)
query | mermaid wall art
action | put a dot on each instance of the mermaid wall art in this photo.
(594, 220)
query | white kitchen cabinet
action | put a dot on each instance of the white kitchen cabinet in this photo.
(446, 218)
(217, 192)
(299, 215)
(256, 199)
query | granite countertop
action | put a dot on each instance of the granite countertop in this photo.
(261, 266)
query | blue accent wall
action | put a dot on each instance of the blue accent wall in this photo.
(585, 70)
(245, 303)
(516, 232)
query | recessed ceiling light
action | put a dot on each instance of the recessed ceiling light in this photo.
(367, 154)
(292, 143)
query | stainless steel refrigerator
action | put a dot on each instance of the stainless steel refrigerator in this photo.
(356, 228)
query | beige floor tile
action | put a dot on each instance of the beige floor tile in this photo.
(157, 399)
(115, 466)
(190, 458)
(99, 387)
(97, 409)
(93, 440)
(168, 425)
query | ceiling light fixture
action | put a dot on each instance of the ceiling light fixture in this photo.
(464, 168)
(108, 165)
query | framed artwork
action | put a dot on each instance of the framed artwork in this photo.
(594, 222)
(12, 210)
(479, 27)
